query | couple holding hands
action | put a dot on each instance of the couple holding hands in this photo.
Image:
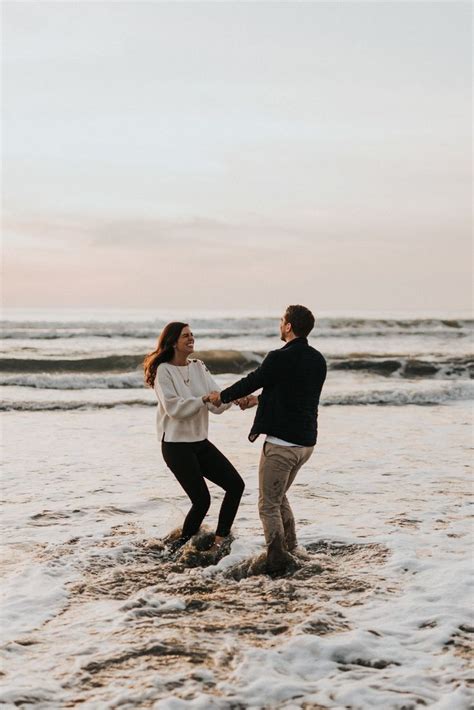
(290, 380)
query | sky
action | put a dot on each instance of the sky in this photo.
(237, 155)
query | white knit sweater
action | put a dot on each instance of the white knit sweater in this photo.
(182, 416)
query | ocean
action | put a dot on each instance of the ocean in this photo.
(96, 614)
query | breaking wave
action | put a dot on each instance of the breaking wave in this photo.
(76, 381)
(409, 367)
(393, 397)
(124, 371)
(402, 397)
(218, 361)
(51, 406)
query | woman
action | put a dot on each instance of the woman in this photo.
(182, 386)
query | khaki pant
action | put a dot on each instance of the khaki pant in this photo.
(277, 471)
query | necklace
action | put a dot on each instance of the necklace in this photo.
(185, 378)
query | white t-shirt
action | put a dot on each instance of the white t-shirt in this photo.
(181, 415)
(279, 442)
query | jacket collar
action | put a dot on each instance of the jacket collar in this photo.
(296, 341)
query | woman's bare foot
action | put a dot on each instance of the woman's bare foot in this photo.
(218, 542)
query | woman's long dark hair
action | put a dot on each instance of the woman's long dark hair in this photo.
(164, 350)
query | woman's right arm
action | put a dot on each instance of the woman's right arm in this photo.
(175, 406)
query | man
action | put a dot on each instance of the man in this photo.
(287, 412)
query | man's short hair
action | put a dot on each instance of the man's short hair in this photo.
(301, 319)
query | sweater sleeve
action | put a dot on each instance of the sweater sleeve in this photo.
(213, 387)
(263, 376)
(175, 406)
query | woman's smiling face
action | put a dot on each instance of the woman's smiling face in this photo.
(185, 342)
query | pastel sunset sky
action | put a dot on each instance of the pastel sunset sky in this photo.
(237, 155)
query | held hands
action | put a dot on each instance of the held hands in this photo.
(247, 402)
(213, 398)
(244, 402)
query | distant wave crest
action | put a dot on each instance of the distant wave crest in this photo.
(235, 328)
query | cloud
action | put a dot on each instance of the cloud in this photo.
(90, 232)
(63, 231)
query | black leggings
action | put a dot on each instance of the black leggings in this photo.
(191, 463)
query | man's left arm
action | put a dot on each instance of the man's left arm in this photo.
(261, 377)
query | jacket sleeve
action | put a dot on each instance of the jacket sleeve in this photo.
(263, 376)
(175, 406)
(213, 387)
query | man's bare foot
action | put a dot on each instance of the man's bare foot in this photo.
(280, 564)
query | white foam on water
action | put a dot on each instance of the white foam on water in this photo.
(29, 598)
(76, 381)
(392, 635)
(84, 489)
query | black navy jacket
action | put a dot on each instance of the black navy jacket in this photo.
(292, 379)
